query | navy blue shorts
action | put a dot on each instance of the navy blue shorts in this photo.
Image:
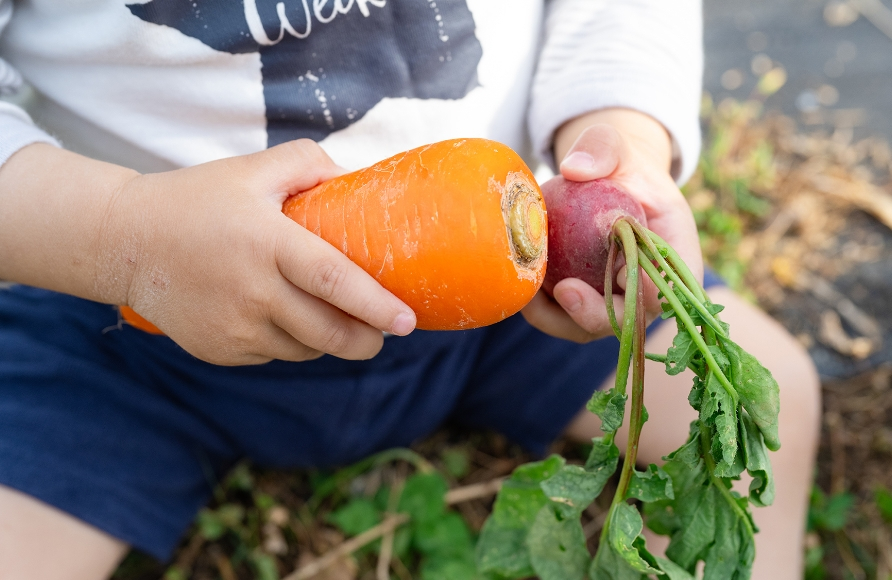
(128, 432)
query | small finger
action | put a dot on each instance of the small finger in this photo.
(315, 266)
(586, 306)
(577, 316)
(548, 316)
(280, 345)
(322, 327)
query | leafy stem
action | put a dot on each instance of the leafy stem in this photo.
(683, 315)
(632, 340)
(636, 419)
(696, 302)
(627, 238)
(679, 266)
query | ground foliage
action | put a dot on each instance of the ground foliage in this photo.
(775, 200)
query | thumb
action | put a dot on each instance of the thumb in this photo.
(294, 166)
(596, 153)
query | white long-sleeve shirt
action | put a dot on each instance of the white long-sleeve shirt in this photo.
(169, 83)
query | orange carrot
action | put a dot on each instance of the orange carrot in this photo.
(457, 230)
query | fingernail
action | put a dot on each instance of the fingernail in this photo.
(578, 160)
(403, 324)
(571, 301)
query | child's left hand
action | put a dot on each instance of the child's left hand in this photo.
(634, 150)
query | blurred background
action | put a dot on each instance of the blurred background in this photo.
(794, 203)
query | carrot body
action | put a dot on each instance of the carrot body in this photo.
(434, 226)
(457, 230)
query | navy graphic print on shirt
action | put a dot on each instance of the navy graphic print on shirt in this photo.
(326, 63)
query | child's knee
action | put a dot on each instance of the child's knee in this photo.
(800, 390)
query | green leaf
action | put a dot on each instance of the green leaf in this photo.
(695, 506)
(501, 548)
(557, 547)
(624, 556)
(672, 571)
(695, 397)
(608, 565)
(209, 525)
(402, 542)
(757, 463)
(717, 410)
(603, 458)
(883, 498)
(448, 567)
(423, 497)
(660, 517)
(264, 566)
(680, 353)
(448, 534)
(712, 522)
(574, 487)
(758, 391)
(814, 563)
(456, 461)
(830, 514)
(240, 478)
(598, 403)
(625, 529)
(610, 406)
(650, 485)
(356, 516)
(521, 497)
(175, 573)
(214, 523)
(502, 551)
(726, 446)
(731, 555)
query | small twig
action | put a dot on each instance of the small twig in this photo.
(348, 547)
(382, 570)
(401, 571)
(224, 566)
(863, 195)
(186, 560)
(474, 491)
(848, 557)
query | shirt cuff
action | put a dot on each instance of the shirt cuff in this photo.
(17, 131)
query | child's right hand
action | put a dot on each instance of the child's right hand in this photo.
(206, 254)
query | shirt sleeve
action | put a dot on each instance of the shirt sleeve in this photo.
(16, 128)
(645, 55)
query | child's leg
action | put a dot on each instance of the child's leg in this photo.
(38, 542)
(779, 544)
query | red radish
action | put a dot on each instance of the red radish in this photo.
(581, 215)
(591, 227)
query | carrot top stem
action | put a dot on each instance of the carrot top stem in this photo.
(526, 221)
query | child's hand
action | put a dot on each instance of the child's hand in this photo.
(219, 268)
(634, 150)
(204, 253)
